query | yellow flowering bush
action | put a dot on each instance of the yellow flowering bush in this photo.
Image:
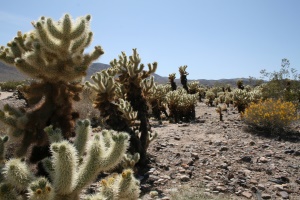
(271, 114)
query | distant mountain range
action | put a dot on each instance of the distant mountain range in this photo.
(8, 73)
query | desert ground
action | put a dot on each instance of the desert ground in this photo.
(217, 158)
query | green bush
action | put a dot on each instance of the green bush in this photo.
(11, 85)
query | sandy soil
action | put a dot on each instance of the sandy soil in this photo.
(4, 95)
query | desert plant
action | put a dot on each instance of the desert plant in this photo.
(53, 55)
(183, 78)
(210, 96)
(271, 114)
(201, 93)
(241, 99)
(172, 81)
(283, 84)
(181, 105)
(240, 84)
(131, 85)
(71, 170)
(11, 85)
(193, 87)
(157, 98)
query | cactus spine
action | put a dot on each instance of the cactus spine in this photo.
(52, 54)
(68, 176)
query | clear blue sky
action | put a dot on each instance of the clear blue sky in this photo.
(215, 38)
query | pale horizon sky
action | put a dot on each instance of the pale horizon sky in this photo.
(215, 38)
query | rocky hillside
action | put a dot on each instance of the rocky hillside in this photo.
(12, 74)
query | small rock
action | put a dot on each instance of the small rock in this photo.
(266, 196)
(207, 178)
(261, 187)
(246, 159)
(195, 156)
(263, 160)
(283, 194)
(224, 148)
(247, 194)
(184, 178)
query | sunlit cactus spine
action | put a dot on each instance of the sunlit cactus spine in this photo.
(241, 99)
(53, 55)
(172, 81)
(68, 176)
(210, 96)
(201, 92)
(157, 98)
(133, 78)
(3, 142)
(183, 77)
(181, 105)
(108, 103)
(193, 87)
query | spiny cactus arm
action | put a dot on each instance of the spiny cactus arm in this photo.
(11, 121)
(182, 70)
(147, 85)
(151, 69)
(55, 135)
(48, 166)
(65, 161)
(82, 130)
(8, 192)
(130, 160)
(136, 60)
(107, 187)
(3, 140)
(17, 174)
(172, 76)
(40, 189)
(127, 110)
(89, 58)
(128, 186)
(152, 137)
(100, 158)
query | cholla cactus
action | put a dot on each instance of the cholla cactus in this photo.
(106, 101)
(210, 96)
(201, 92)
(157, 98)
(240, 84)
(255, 95)
(69, 176)
(3, 140)
(122, 100)
(172, 82)
(52, 54)
(241, 99)
(181, 105)
(183, 78)
(193, 87)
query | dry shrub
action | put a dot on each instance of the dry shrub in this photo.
(273, 115)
